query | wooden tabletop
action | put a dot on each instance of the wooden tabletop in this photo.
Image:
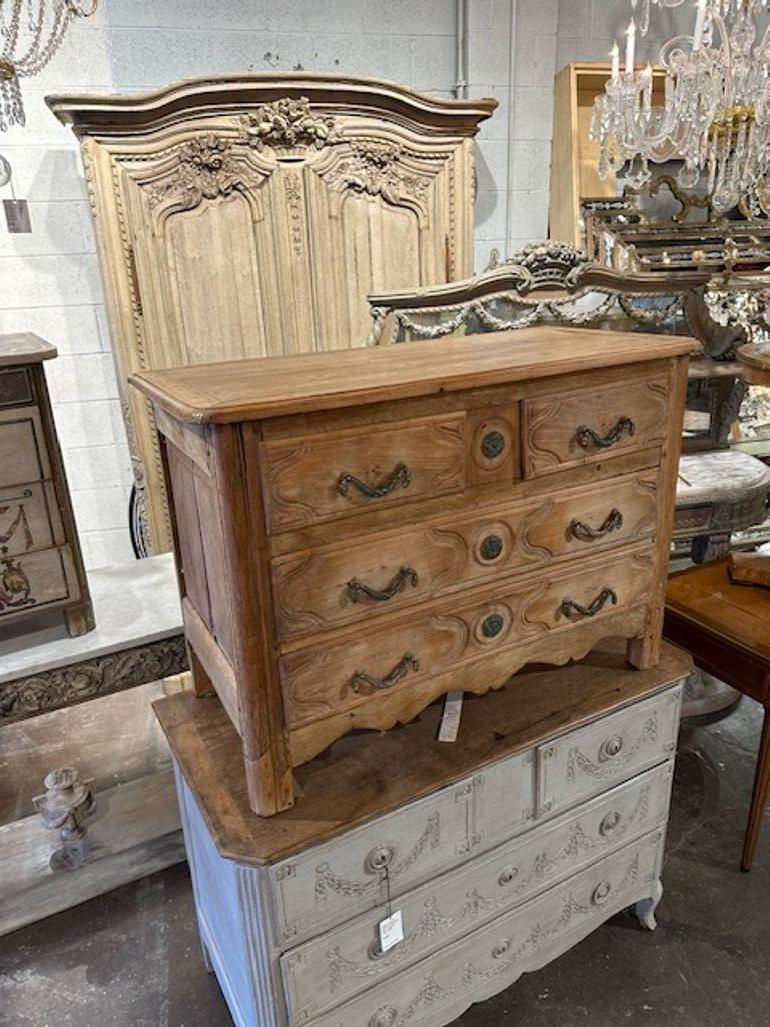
(366, 774)
(24, 348)
(705, 596)
(241, 390)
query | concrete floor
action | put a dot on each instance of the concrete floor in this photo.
(131, 958)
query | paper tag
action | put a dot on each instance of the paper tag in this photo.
(450, 721)
(391, 931)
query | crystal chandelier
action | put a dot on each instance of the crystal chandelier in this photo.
(715, 114)
(31, 31)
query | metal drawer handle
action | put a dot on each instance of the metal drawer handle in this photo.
(568, 607)
(400, 475)
(587, 437)
(609, 823)
(586, 533)
(357, 590)
(601, 893)
(404, 665)
(610, 748)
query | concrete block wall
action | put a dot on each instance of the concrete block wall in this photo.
(49, 280)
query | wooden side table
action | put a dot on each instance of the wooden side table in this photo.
(726, 627)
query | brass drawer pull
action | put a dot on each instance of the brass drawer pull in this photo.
(586, 533)
(357, 590)
(404, 665)
(587, 437)
(568, 607)
(401, 475)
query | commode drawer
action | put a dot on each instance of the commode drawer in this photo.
(16, 388)
(315, 890)
(613, 749)
(331, 969)
(318, 477)
(586, 425)
(29, 518)
(34, 580)
(439, 988)
(23, 443)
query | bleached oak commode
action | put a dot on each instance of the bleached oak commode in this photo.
(501, 851)
(359, 532)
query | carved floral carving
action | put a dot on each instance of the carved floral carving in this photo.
(207, 168)
(65, 686)
(287, 124)
(15, 587)
(375, 169)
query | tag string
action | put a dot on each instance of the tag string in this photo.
(389, 905)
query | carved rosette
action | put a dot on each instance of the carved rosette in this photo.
(288, 126)
(377, 170)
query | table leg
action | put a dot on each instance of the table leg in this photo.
(758, 795)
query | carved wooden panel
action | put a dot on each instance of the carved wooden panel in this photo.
(29, 518)
(252, 216)
(587, 425)
(314, 478)
(596, 757)
(342, 584)
(23, 447)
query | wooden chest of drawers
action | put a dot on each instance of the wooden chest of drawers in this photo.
(546, 818)
(40, 564)
(359, 532)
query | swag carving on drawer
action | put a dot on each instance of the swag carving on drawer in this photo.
(398, 523)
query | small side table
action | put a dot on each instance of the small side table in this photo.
(726, 628)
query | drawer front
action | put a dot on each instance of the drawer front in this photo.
(334, 474)
(587, 425)
(338, 585)
(321, 680)
(35, 580)
(22, 444)
(613, 749)
(16, 387)
(29, 518)
(334, 881)
(489, 959)
(329, 970)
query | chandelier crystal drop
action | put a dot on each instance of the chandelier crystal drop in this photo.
(31, 31)
(715, 114)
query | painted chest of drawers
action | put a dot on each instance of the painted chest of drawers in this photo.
(40, 563)
(359, 532)
(500, 851)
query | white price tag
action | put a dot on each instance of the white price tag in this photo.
(450, 721)
(391, 931)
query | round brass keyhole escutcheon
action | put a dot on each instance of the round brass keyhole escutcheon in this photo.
(492, 625)
(493, 444)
